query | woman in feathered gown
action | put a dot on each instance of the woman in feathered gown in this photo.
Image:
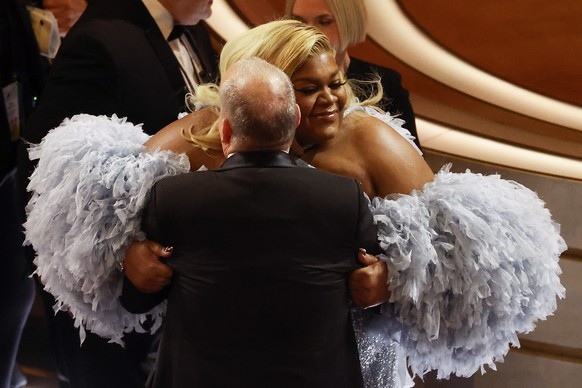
(472, 259)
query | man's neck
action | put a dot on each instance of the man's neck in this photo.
(175, 8)
(255, 150)
(230, 150)
(161, 15)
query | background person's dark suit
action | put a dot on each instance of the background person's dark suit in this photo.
(262, 251)
(19, 63)
(397, 101)
(114, 60)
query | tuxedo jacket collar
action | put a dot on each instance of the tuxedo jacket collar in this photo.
(258, 159)
(167, 58)
(200, 41)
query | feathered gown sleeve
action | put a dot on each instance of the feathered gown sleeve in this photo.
(88, 190)
(472, 261)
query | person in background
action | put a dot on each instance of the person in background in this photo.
(67, 12)
(345, 23)
(21, 81)
(137, 59)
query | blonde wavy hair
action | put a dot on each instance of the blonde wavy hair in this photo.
(287, 44)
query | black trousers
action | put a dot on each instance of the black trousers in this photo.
(16, 288)
(96, 363)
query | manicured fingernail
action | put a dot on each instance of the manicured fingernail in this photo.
(362, 250)
(168, 249)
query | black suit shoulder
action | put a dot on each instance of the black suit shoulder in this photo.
(199, 179)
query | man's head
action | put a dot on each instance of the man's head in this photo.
(188, 12)
(258, 108)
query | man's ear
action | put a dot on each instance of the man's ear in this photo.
(298, 114)
(296, 148)
(225, 135)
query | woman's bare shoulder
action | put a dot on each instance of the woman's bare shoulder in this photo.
(171, 137)
(367, 130)
(390, 160)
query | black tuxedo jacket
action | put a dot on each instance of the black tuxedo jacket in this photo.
(116, 60)
(20, 63)
(262, 252)
(397, 100)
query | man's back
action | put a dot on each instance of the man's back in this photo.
(261, 258)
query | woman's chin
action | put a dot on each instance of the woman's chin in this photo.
(321, 138)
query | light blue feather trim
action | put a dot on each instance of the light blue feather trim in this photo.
(88, 190)
(472, 261)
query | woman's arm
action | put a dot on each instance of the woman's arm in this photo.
(171, 137)
(132, 298)
(392, 164)
(142, 264)
(88, 192)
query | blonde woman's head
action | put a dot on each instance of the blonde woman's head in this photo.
(343, 21)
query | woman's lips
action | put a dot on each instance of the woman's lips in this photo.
(327, 116)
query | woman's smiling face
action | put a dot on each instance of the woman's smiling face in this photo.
(321, 96)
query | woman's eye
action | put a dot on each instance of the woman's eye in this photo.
(314, 89)
(337, 84)
(325, 22)
(298, 18)
(306, 91)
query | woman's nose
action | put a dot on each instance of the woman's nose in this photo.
(328, 96)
